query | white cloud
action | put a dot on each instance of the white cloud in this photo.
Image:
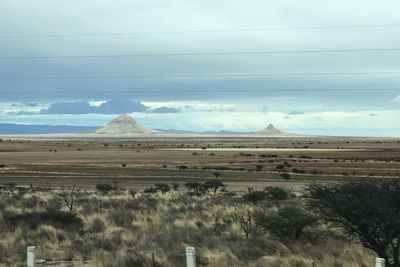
(12, 107)
(96, 103)
(396, 99)
(194, 106)
(326, 123)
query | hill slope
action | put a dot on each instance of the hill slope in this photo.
(272, 130)
(124, 124)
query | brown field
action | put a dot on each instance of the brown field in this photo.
(127, 226)
(241, 161)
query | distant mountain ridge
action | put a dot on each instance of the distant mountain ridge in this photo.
(123, 124)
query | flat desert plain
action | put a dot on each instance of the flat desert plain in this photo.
(239, 161)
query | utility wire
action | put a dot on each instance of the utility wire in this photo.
(184, 76)
(69, 35)
(204, 53)
(127, 91)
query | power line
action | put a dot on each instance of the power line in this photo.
(68, 35)
(127, 91)
(192, 75)
(205, 53)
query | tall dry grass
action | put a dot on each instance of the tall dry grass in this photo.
(123, 229)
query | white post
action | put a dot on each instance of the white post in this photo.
(190, 257)
(30, 256)
(379, 262)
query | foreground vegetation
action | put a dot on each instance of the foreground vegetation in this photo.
(112, 226)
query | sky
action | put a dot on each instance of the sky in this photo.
(83, 62)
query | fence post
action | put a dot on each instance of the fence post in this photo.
(190, 257)
(379, 262)
(30, 256)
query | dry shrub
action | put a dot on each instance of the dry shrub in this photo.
(117, 230)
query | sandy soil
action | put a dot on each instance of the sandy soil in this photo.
(240, 161)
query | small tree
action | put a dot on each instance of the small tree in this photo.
(214, 185)
(11, 188)
(259, 168)
(175, 186)
(163, 188)
(196, 187)
(285, 176)
(276, 193)
(368, 211)
(133, 193)
(217, 174)
(221, 225)
(244, 215)
(287, 224)
(255, 196)
(116, 187)
(280, 167)
(183, 167)
(150, 190)
(104, 188)
(71, 199)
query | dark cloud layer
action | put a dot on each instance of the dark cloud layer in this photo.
(116, 106)
(31, 104)
(82, 18)
(309, 82)
(165, 109)
(295, 112)
(82, 107)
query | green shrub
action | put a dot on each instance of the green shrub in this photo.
(163, 188)
(58, 219)
(287, 224)
(196, 187)
(183, 167)
(150, 190)
(104, 188)
(97, 226)
(175, 186)
(213, 185)
(255, 196)
(285, 176)
(276, 193)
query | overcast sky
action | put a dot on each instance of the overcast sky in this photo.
(336, 104)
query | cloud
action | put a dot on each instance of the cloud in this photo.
(92, 16)
(295, 112)
(373, 115)
(396, 99)
(120, 106)
(82, 107)
(317, 123)
(23, 113)
(79, 107)
(165, 109)
(188, 106)
(26, 103)
(31, 104)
